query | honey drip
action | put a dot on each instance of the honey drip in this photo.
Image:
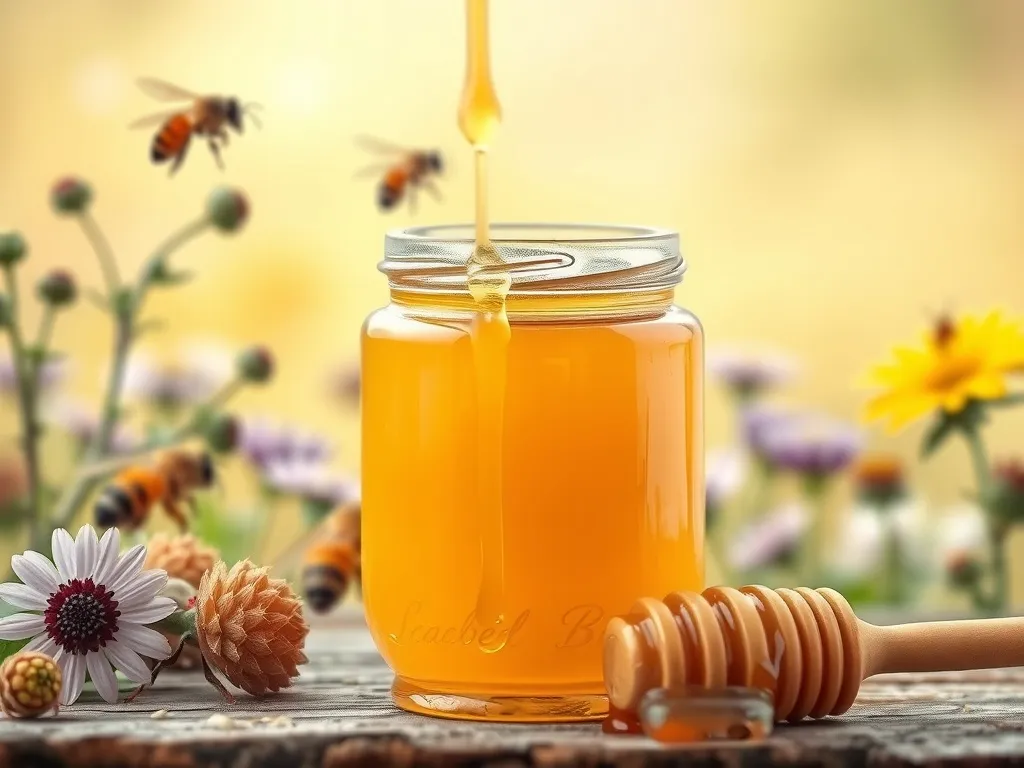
(804, 647)
(489, 283)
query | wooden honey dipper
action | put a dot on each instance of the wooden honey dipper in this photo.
(804, 646)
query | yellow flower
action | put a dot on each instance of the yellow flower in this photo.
(961, 361)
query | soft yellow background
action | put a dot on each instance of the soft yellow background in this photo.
(840, 171)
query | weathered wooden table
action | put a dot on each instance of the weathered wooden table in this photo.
(339, 714)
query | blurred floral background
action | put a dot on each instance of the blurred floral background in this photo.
(843, 175)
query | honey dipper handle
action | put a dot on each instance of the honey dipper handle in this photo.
(943, 646)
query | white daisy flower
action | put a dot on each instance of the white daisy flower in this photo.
(90, 610)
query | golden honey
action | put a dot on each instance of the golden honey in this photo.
(531, 448)
(599, 464)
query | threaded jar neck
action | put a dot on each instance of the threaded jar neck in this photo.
(554, 268)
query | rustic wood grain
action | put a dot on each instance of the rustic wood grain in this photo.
(342, 717)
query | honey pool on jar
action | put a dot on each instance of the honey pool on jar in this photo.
(596, 456)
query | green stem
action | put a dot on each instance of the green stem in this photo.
(716, 545)
(978, 598)
(998, 600)
(28, 404)
(810, 561)
(264, 523)
(126, 313)
(893, 586)
(225, 393)
(44, 335)
(179, 238)
(179, 623)
(104, 253)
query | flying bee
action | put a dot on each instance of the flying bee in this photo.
(169, 481)
(208, 117)
(330, 565)
(404, 174)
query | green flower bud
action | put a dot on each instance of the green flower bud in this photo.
(963, 570)
(228, 209)
(58, 288)
(256, 365)
(70, 195)
(5, 311)
(12, 248)
(221, 433)
(1005, 499)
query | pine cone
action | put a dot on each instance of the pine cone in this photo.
(183, 557)
(30, 685)
(250, 627)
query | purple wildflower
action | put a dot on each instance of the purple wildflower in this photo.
(265, 443)
(52, 374)
(760, 423)
(769, 540)
(313, 481)
(811, 445)
(192, 378)
(82, 424)
(749, 375)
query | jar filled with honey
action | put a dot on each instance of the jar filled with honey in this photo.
(521, 488)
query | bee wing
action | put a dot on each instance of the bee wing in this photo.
(290, 559)
(155, 119)
(164, 91)
(373, 144)
(377, 169)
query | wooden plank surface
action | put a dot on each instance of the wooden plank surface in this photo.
(339, 714)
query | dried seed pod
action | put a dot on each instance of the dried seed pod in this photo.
(30, 685)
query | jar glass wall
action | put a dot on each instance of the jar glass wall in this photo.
(600, 459)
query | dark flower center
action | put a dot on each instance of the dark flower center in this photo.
(81, 616)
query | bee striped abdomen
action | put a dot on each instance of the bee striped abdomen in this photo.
(392, 187)
(172, 139)
(326, 574)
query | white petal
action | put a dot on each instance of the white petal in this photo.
(110, 545)
(154, 610)
(73, 670)
(127, 567)
(143, 640)
(42, 644)
(87, 550)
(128, 661)
(36, 571)
(63, 547)
(102, 676)
(23, 596)
(21, 625)
(142, 590)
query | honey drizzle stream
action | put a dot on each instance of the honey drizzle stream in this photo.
(489, 283)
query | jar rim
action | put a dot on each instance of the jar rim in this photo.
(541, 258)
(528, 232)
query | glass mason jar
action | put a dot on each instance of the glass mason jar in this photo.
(598, 453)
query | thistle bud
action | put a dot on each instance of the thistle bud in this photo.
(221, 433)
(58, 288)
(963, 569)
(880, 481)
(12, 248)
(228, 209)
(1006, 496)
(70, 195)
(256, 365)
